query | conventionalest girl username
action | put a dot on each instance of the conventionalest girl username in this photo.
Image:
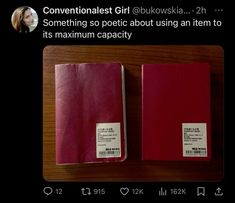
(81, 10)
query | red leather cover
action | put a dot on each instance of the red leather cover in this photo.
(174, 95)
(86, 95)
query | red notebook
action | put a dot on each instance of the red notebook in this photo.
(176, 122)
(90, 113)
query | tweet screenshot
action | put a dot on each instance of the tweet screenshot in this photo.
(123, 100)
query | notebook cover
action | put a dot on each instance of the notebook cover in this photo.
(176, 123)
(90, 113)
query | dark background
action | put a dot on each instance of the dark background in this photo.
(21, 82)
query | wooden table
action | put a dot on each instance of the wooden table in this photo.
(133, 169)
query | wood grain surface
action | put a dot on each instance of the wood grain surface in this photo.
(133, 169)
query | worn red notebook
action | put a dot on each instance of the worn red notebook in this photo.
(176, 122)
(90, 113)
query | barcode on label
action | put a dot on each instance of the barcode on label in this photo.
(199, 152)
(103, 153)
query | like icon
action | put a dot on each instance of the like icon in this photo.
(124, 190)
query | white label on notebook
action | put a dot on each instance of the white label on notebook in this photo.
(108, 141)
(194, 139)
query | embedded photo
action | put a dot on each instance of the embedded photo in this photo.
(133, 113)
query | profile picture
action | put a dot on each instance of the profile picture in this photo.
(24, 19)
